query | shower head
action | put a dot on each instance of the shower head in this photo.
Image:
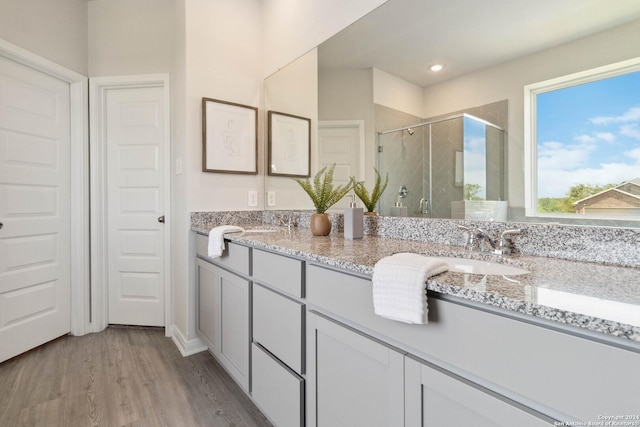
(410, 131)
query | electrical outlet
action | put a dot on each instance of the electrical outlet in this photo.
(271, 198)
(252, 200)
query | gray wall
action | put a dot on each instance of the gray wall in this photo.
(406, 158)
(131, 37)
(53, 29)
(403, 158)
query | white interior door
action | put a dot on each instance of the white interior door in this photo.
(35, 290)
(135, 150)
(341, 143)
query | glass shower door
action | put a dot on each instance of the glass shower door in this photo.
(404, 156)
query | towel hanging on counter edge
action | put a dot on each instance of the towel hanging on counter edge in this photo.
(216, 239)
(399, 286)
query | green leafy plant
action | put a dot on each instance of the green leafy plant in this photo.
(370, 199)
(322, 192)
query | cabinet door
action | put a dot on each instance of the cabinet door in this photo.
(278, 391)
(436, 399)
(355, 381)
(208, 288)
(223, 318)
(280, 272)
(278, 325)
(234, 326)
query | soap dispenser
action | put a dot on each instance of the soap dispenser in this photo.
(398, 209)
(353, 220)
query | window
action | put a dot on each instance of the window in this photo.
(582, 144)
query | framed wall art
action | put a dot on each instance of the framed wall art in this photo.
(229, 137)
(289, 145)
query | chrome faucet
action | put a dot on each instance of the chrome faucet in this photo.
(478, 240)
(284, 220)
(504, 246)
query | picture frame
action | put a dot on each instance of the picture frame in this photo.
(229, 137)
(289, 145)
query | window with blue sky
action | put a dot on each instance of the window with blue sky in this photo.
(588, 134)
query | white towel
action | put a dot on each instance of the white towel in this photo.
(216, 239)
(399, 286)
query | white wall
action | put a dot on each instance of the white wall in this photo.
(293, 27)
(348, 95)
(228, 45)
(294, 90)
(507, 81)
(180, 239)
(222, 61)
(56, 30)
(212, 48)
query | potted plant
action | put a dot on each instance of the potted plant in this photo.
(370, 199)
(323, 194)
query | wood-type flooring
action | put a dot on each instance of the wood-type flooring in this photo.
(120, 377)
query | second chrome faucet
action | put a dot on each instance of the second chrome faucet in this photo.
(478, 240)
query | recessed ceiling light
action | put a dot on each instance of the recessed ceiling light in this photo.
(436, 67)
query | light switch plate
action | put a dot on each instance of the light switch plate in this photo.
(271, 198)
(252, 200)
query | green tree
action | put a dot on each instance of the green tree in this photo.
(550, 204)
(575, 193)
(471, 192)
(581, 191)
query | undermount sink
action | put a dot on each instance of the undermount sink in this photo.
(475, 266)
(261, 230)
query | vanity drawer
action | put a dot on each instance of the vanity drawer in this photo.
(276, 390)
(278, 271)
(235, 257)
(278, 326)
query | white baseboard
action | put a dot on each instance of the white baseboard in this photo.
(186, 347)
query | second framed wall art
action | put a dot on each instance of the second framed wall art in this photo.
(289, 145)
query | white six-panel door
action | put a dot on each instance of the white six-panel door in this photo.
(135, 138)
(341, 142)
(34, 208)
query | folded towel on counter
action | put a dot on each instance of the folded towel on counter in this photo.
(399, 286)
(216, 239)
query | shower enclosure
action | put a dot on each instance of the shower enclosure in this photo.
(448, 168)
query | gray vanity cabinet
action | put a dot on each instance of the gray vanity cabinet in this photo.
(278, 357)
(278, 326)
(277, 390)
(434, 397)
(353, 379)
(223, 310)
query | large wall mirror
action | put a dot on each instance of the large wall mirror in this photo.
(378, 104)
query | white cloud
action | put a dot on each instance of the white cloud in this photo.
(630, 130)
(634, 154)
(631, 115)
(561, 166)
(603, 136)
(606, 173)
(585, 139)
(553, 155)
(475, 145)
(606, 136)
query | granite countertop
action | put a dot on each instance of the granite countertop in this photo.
(596, 297)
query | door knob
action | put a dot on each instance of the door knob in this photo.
(161, 219)
(1, 225)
